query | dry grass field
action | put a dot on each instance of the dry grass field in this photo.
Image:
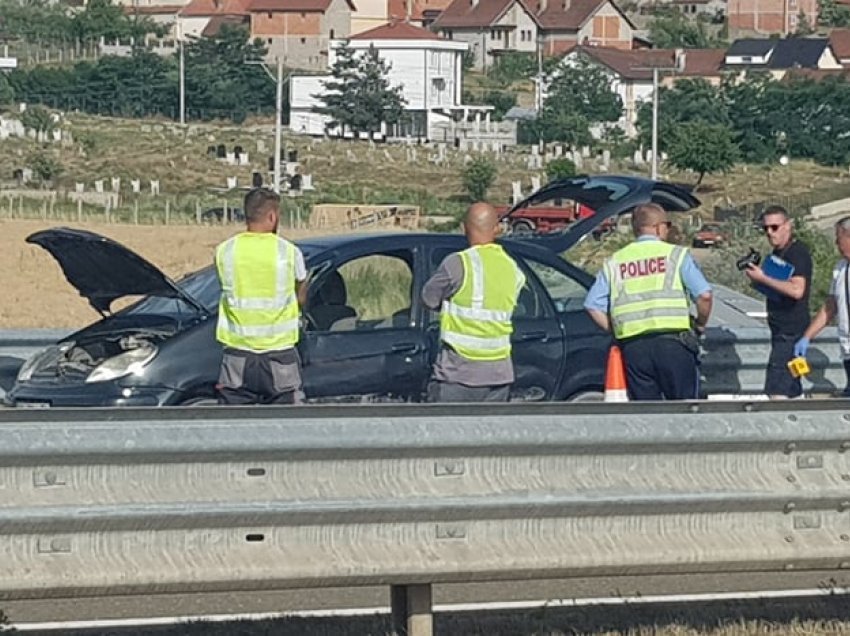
(36, 293)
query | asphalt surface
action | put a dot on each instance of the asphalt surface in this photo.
(374, 598)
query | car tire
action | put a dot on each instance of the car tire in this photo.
(587, 396)
(522, 227)
(199, 400)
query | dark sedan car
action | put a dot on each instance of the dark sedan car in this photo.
(367, 335)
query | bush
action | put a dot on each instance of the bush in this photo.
(560, 169)
(38, 119)
(46, 168)
(478, 176)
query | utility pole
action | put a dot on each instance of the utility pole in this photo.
(677, 67)
(277, 117)
(654, 124)
(278, 78)
(182, 84)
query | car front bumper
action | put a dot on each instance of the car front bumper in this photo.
(99, 394)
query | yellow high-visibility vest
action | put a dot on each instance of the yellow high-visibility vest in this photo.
(476, 321)
(258, 310)
(647, 294)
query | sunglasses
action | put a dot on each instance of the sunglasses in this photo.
(773, 227)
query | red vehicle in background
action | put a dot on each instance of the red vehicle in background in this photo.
(550, 217)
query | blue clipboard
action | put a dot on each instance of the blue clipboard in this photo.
(777, 268)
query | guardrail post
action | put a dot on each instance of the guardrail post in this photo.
(411, 610)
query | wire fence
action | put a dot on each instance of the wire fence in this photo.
(42, 53)
(797, 204)
(51, 206)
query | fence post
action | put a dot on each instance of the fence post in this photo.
(411, 610)
(79, 210)
(20, 207)
(136, 211)
(167, 210)
(108, 211)
(198, 212)
(225, 214)
(11, 202)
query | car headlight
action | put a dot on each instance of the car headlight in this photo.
(40, 359)
(127, 363)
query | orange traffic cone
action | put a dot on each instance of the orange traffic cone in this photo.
(615, 377)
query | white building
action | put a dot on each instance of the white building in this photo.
(429, 71)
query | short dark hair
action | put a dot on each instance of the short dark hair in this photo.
(774, 209)
(258, 201)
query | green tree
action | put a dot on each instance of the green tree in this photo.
(688, 101)
(703, 148)
(225, 78)
(670, 29)
(833, 14)
(578, 97)
(804, 26)
(38, 119)
(751, 107)
(478, 176)
(560, 168)
(359, 97)
(7, 93)
(513, 66)
(45, 168)
(102, 18)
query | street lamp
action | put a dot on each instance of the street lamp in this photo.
(278, 78)
(678, 67)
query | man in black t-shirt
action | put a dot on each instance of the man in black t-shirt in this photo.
(787, 300)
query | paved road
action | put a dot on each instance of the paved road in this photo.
(175, 605)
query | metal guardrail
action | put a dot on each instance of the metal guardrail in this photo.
(733, 362)
(130, 501)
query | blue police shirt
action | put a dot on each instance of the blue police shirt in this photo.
(598, 297)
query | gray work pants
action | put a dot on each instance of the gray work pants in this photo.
(452, 392)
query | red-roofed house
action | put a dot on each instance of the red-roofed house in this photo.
(766, 17)
(631, 75)
(839, 40)
(299, 31)
(195, 16)
(492, 27)
(429, 70)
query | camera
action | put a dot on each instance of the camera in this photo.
(751, 258)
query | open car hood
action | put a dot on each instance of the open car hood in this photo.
(608, 195)
(103, 270)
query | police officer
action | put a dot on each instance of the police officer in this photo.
(262, 280)
(477, 290)
(642, 294)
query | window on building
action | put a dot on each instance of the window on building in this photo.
(269, 15)
(332, 34)
(269, 41)
(303, 16)
(303, 40)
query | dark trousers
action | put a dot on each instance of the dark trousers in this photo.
(846, 392)
(662, 366)
(778, 379)
(272, 377)
(453, 392)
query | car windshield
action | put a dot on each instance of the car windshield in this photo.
(202, 286)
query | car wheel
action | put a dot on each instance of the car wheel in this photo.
(200, 401)
(587, 396)
(522, 227)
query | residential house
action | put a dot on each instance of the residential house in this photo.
(839, 40)
(778, 56)
(369, 14)
(712, 10)
(429, 70)
(299, 31)
(631, 72)
(193, 19)
(493, 27)
(767, 17)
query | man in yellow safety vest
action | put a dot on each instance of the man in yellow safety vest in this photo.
(263, 285)
(476, 290)
(642, 294)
